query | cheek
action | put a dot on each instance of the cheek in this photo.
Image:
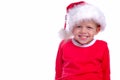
(74, 31)
(92, 33)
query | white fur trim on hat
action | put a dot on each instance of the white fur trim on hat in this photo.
(85, 12)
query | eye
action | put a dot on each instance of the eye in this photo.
(78, 26)
(89, 27)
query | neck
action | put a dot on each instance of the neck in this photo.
(83, 45)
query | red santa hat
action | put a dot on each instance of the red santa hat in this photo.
(79, 11)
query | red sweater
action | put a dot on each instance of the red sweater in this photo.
(83, 63)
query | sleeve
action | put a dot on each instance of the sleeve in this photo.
(106, 64)
(59, 62)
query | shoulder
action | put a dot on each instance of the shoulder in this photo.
(65, 42)
(101, 43)
(101, 46)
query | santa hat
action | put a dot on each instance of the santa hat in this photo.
(79, 11)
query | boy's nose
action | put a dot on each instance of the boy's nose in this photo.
(83, 30)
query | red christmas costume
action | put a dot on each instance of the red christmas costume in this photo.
(83, 63)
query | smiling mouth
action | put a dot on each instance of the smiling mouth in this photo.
(83, 37)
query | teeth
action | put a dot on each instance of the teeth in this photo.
(83, 37)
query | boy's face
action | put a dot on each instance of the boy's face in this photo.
(85, 31)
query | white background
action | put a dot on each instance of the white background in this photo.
(29, 37)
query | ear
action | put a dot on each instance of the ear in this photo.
(97, 29)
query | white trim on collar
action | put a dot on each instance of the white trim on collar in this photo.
(86, 45)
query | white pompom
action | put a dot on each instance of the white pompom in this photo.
(64, 34)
